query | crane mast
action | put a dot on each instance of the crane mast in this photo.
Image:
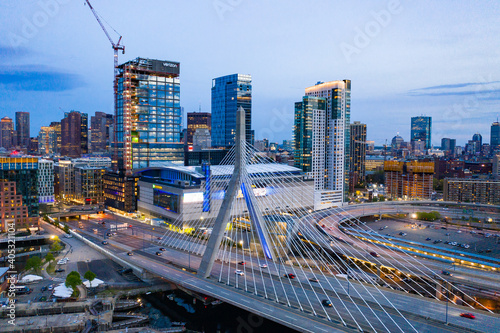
(116, 46)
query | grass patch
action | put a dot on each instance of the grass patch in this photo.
(51, 268)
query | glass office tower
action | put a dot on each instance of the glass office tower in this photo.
(229, 93)
(421, 130)
(148, 117)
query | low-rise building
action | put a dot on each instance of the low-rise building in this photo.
(483, 191)
(183, 194)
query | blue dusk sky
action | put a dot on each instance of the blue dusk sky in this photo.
(405, 58)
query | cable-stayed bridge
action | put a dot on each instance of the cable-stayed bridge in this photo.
(272, 252)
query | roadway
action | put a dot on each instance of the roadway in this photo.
(244, 295)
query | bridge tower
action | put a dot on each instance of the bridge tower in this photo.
(223, 217)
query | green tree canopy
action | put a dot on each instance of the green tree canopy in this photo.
(89, 275)
(34, 262)
(73, 280)
(49, 257)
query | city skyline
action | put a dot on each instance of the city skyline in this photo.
(45, 71)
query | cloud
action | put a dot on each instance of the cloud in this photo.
(38, 78)
(483, 90)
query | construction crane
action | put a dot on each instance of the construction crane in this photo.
(115, 46)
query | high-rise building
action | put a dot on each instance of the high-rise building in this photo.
(396, 142)
(101, 132)
(495, 136)
(23, 128)
(46, 181)
(322, 140)
(308, 115)
(6, 133)
(56, 125)
(148, 118)
(74, 134)
(229, 93)
(496, 166)
(33, 146)
(357, 155)
(197, 120)
(47, 140)
(421, 128)
(448, 146)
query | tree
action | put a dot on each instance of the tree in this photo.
(66, 229)
(89, 275)
(49, 257)
(73, 280)
(34, 262)
(56, 247)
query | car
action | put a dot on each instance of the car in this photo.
(68, 236)
(390, 276)
(459, 231)
(130, 254)
(466, 246)
(444, 228)
(59, 270)
(428, 239)
(480, 251)
(44, 288)
(488, 251)
(130, 225)
(446, 273)
(313, 279)
(95, 231)
(473, 232)
(453, 243)
(290, 275)
(374, 254)
(158, 238)
(108, 234)
(381, 228)
(158, 253)
(263, 266)
(50, 287)
(327, 303)
(242, 263)
(104, 242)
(467, 315)
(103, 223)
(239, 272)
(80, 226)
(163, 249)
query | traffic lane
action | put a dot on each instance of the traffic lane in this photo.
(227, 274)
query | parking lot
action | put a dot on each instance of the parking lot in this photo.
(482, 242)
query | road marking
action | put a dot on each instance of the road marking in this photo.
(320, 328)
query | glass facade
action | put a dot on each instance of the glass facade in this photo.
(229, 93)
(303, 130)
(166, 200)
(148, 117)
(421, 130)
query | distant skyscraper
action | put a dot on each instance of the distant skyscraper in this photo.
(322, 140)
(56, 125)
(74, 134)
(397, 141)
(6, 133)
(495, 135)
(23, 128)
(421, 128)
(201, 139)
(101, 136)
(229, 93)
(357, 155)
(148, 118)
(197, 120)
(47, 140)
(448, 145)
